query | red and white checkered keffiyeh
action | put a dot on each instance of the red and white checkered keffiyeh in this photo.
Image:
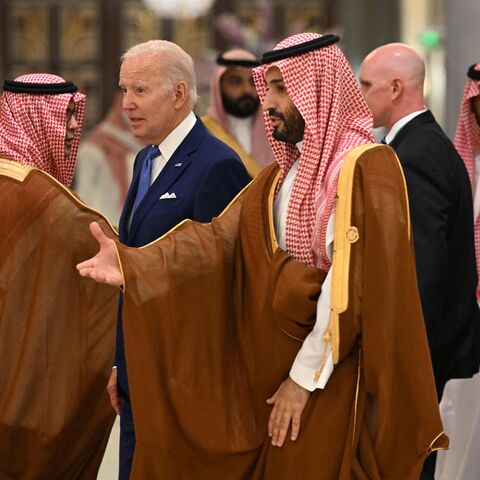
(261, 151)
(323, 88)
(467, 142)
(33, 128)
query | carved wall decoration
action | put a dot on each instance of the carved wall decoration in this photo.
(82, 40)
(29, 29)
(80, 33)
(140, 25)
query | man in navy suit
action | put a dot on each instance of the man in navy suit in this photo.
(440, 197)
(185, 173)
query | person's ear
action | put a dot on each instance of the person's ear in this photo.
(396, 88)
(181, 93)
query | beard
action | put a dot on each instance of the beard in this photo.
(293, 126)
(241, 107)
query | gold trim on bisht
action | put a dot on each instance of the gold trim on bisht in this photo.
(189, 220)
(345, 235)
(18, 171)
(431, 449)
(271, 223)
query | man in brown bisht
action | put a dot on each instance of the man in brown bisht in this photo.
(266, 338)
(56, 333)
(234, 115)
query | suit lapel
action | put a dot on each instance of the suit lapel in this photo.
(175, 167)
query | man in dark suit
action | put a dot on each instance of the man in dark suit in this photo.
(185, 173)
(440, 197)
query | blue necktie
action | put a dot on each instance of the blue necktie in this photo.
(145, 174)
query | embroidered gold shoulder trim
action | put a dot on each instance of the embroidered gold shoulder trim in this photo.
(342, 245)
(345, 236)
(15, 170)
(271, 198)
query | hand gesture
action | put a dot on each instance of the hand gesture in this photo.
(104, 266)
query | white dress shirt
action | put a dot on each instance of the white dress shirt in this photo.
(308, 359)
(399, 124)
(168, 147)
(171, 143)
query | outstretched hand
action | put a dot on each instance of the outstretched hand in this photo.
(103, 267)
(288, 404)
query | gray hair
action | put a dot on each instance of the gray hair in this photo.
(176, 64)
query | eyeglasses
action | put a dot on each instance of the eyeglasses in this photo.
(71, 112)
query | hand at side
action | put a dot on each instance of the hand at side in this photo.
(288, 404)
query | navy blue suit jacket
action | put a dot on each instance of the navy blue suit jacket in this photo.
(204, 174)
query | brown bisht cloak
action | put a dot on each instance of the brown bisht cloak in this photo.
(214, 315)
(57, 332)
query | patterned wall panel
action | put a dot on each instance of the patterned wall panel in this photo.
(82, 39)
(80, 33)
(140, 25)
(29, 34)
(79, 51)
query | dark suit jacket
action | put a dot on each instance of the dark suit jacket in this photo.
(204, 174)
(441, 211)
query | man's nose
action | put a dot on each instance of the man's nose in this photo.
(73, 124)
(127, 101)
(267, 102)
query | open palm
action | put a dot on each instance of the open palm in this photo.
(104, 266)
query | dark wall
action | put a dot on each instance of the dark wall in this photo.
(365, 25)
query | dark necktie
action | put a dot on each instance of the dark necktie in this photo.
(145, 175)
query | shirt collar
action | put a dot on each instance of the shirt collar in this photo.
(399, 124)
(177, 136)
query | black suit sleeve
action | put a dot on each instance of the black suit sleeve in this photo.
(430, 203)
(218, 187)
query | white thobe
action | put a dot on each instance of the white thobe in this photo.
(306, 365)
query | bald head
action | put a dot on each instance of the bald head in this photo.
(391, 79)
